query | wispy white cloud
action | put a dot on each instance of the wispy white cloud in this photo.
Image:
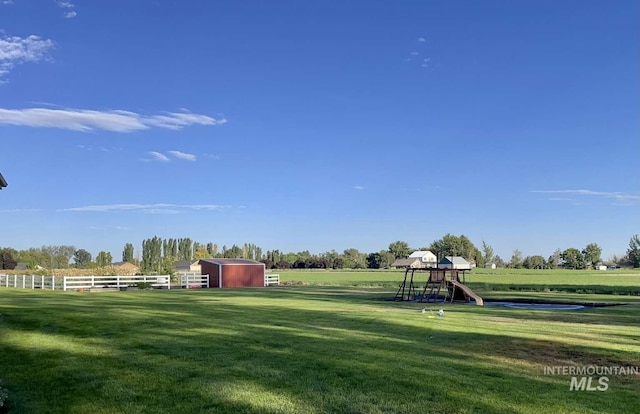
(164, 208)
(90, 120)
(212, 156)
(422, 39)
(358, 187)
(16, 50)
(19, 210)
(616, 195)
(415, 53)
(100, 148)
(183, 155)
(7, 1)
(69, 7)
(158, 156)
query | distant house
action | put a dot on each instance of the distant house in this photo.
(407, 262)
(187, 266)
(454, 262)
(421, 259)
(489, 265)
(125, 268)
(601, 267)
(426, 258)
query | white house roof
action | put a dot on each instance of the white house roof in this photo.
(419, 253)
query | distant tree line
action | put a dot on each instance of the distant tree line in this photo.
(573, 258)
(158, 255)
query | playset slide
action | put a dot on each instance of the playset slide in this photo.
(468, 292)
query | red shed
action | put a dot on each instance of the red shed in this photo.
(232, 273)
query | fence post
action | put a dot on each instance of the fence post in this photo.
(42, 282)
(64, 283)
(33, 279)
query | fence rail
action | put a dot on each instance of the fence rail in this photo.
(272, 280)
(88, 282)
(31, 282)
(187, 281)
(194, 281)
(81, 282)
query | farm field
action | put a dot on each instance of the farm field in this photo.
(316, 349)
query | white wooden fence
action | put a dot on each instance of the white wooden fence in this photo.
(187, 281)
(272, 280)
(32, 282)
(193, 281)
(81, 282)
(88, 282)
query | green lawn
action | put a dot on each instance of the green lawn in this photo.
(307, 349)
(626, 282)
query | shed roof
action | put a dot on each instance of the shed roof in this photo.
(232, 261)
(454, 260)
(182, 263)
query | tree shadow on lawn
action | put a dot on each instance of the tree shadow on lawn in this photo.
(186, 356)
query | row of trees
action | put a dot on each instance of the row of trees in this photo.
(156, 255)
(570, 258)
(159, 254)
(52, 257)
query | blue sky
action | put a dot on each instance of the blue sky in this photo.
(320, 125)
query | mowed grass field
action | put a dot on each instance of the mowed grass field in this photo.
(333, 348)
(618, 282)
